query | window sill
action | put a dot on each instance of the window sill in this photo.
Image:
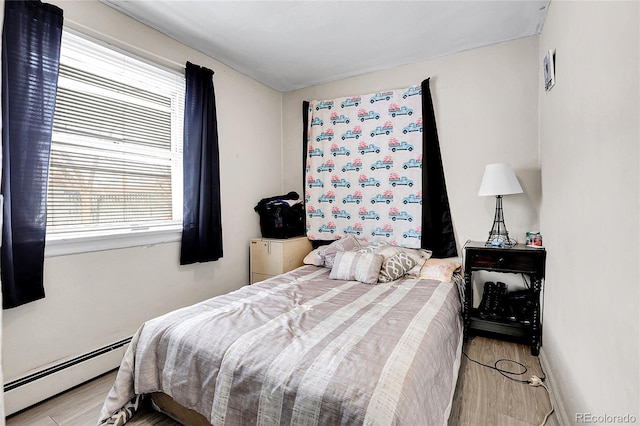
(85, 242)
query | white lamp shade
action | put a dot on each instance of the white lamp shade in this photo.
(499, 179)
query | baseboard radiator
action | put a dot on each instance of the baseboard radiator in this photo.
(41, 385)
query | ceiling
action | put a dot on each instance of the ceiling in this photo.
(289, 45)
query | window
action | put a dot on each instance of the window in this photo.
(116, 152)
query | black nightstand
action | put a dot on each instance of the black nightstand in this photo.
(518, 259)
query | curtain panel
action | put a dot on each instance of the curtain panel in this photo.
(30, 62)
(372, 167)
(202, 221)
(437, 225)
(364, 163)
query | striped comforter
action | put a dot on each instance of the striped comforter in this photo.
(302, 349)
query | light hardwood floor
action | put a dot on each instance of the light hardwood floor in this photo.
(486, 398)
(483, 396)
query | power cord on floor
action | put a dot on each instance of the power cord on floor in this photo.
(539, 381)
(502, 371)
(534, 380)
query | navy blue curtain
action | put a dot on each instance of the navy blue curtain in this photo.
(202, 221)
(437, 226)
(305, 144)
(30, 61)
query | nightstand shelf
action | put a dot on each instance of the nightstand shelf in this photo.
(515, 329)
(518, 259)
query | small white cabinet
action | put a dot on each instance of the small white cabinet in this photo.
(270, 256)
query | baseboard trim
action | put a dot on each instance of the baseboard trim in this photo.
(41, 385)
(552, 384)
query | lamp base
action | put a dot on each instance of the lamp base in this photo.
(499, 241)
(499, 236)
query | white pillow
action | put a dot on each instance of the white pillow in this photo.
(439, 269)
(313, 258)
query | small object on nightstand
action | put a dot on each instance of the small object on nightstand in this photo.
(534, 239)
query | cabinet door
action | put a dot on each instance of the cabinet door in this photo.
(266, 257)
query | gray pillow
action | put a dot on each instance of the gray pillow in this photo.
(328, 253)
(350, 265)
(395, 267)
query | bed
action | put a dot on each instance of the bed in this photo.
(326, 343)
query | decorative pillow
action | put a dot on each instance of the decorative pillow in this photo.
(313, 258)
(372, 244)
(328, 253)
(420, 256)
(395, 267)
(351, 265)
(439, 269)
(385, 249)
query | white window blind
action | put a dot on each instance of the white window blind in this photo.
(116, 152)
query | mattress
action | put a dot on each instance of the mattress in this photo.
(302, 349)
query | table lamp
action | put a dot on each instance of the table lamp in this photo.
(499, 180)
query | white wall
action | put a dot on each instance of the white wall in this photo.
(95, 299)
(589, 137)
(485, 104)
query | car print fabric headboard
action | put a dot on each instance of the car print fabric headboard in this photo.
(367, 161)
